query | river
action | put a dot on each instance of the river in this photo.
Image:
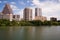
(30, 33)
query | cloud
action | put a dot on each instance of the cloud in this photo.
(13, 2)
(53, 0)
(36, 2)
(32, 5)
(21, 13)
(49, 7)
(17, 11)
(28, 1)
(22, 3)
(0, 1)
(15, 8)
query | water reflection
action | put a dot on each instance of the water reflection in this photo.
(30, 33)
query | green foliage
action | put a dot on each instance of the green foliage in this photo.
(4, 22)
(48, 23)
(25, 23)
(36, 23)
(14, 23)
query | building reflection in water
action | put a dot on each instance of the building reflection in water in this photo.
(22, 33)
(30, 33)
(34, 33)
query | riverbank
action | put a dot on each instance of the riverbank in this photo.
(4, 22)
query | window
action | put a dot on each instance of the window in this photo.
(13, 16)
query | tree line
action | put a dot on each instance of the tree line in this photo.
(4, 22)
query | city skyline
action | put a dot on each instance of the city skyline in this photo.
(8, 14)
(50, 8)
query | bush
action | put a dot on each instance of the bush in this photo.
(4, 22)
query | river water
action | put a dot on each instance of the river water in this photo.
(30, 33)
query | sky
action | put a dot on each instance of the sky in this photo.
(50, 8)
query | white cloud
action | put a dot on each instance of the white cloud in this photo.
(36, 2)
(14, 7)
(21, 13)
(32, 4)
(13, 2)
(22, 3)
(17, 10)
(0, 1)
(49, 8)
(28, 1)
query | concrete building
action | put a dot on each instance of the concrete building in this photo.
(7, 12)
(53, 19)
(1, 15)
(27, 14)
(41, 18)
(38, 15)
(16, 17)
(38, 12)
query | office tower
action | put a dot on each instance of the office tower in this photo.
(38, 15)
(27, 14)
(7, 12)
(38, 12)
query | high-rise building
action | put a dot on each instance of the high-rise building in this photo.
(38, 15)
(38, 12)
(27, 14)
(7, 9)
(7, 12)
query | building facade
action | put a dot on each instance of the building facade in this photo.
(7, 12)
(1, 15)
(38, 15)
(38, 12)
(27, 15)
(41, 18)
(16, 17)
(53, 19)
